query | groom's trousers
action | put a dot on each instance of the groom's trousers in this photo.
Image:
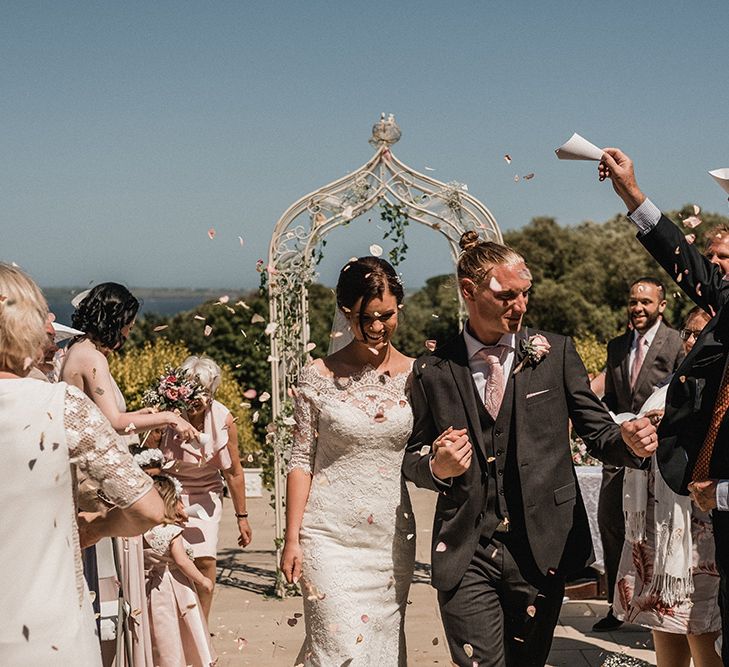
(504, 611)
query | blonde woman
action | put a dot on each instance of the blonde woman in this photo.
(199, 468)
(46, 616)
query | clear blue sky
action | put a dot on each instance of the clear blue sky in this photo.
(127, 129)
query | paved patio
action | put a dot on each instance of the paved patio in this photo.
(253, 628)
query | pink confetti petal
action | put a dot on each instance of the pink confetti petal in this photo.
(692, 221)
(365, 618)
(690, 238)
(211, 233)
(257, 319)
(440, 547)
(250, 394)
(207, 330)
(370, 519)
(431, 345)
(310, 346)
(697, 209)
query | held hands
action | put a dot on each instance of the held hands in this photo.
(184, 428)
(291, 561)
(618, 167)
(453, 453)
(246, 534)
(640, 436)
(703, 494)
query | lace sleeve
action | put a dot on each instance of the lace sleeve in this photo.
(99, 452)
(303, 448)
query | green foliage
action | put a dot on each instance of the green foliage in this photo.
(396, 216)
(137, 369)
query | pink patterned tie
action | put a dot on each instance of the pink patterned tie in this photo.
(494, 392)
(637, 360)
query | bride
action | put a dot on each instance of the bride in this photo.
(349, 526)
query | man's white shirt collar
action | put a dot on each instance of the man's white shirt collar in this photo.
(473, 345)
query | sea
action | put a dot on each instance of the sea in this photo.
(63, 309)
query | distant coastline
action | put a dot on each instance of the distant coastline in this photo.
(158, 300)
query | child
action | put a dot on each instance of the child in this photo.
(179, 631)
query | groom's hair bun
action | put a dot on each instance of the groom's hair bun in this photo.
(479, 257)
(469, 240)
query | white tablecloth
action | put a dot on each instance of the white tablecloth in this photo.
(590, 479)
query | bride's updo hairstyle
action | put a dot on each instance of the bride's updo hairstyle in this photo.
(366, 278)
(23, 315)
(104, 312)
(478, 257)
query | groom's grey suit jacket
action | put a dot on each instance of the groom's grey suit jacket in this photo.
(525, 458)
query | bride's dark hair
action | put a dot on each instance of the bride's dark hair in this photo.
(104, 312)
(367, 278)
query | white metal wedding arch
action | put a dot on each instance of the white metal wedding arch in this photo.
(297, 247)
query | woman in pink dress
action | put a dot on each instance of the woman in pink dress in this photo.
(199, 470)
(106, 315)
(179, 631)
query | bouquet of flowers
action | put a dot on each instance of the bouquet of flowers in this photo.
(175, 390)
(580, 457)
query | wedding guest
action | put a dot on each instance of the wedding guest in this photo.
(46, 616)
(671, 584)
(637, 360)
(106, 315)
(717, 247)
(180, 634)
(693, 453)
(198, 468)
(349, 525)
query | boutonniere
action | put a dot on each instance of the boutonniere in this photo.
(533, 350)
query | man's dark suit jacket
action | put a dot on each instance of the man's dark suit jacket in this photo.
(546, 397)
(663, 357)
(693, 390)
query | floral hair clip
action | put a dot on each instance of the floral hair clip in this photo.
(149, 458)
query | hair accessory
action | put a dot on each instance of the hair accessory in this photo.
(178, 485)
(149, 457)
(76, 301)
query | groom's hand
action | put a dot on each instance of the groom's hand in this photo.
(640, 436)
(453, 453)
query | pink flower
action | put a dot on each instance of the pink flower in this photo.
(540, 345)
(172, 394)
(185, 391)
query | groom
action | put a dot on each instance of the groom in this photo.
(492, 410)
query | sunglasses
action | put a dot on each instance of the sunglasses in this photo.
(687, 333)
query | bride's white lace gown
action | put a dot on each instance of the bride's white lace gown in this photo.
(358, 530)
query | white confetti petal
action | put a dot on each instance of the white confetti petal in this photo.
(375, 250)
(440, 547)
(257, 319)
(264, 397)
(207, 330)
(495, 285)
(271, 328)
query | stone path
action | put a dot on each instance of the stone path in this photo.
(252, 627)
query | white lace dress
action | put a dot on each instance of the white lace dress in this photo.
(358, 530)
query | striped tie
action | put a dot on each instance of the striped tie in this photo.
(701, 467)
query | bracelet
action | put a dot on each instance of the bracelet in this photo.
(241, 515)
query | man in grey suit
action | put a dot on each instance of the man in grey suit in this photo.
(490, 436)
(637, 361)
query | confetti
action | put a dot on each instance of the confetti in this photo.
(370, 519)
(375, 251)
(211, 233)
(26, 632)
(365, 618)
(224, 299)
(257, 319)
(431, 345)
(130, 427)
(441, 547)
(250, 394)
(292, 622)
(241, 241)
(271, 328)
(468, 650)
(690, 238)
(410, 536)
(516, 178)
(207, 330)
(531, 610)
(160, 327)
(507, 157)
(529, 176)
(435, 641)
(429, 169)
(264, 397)
(698, 289)
(255, 417)
(697, 209)
(692, 221)
(32, 463)
(242, 643)
(198, 317)
(425, 450)
(310, 346)
(435, 316)
(495, 285)
(490, 459)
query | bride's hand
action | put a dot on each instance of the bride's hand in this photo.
(184, 428)
(291, 562)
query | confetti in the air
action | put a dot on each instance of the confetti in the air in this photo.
(310, 346)
(242, 643)
(207, 330)
(468, 650)
(697, 209)
(264, 397)
(250, 394)
(365, 618)
(495, 285)
(440, 547)
(211, 233)
(257, 319)
(429, 169)
(375, 250)
(692, 221)
(271, 328)
(161, 327)
(431, 345)
(516, 178)
(507, 157)
(690, 238)
(529, 176)
(241, 241)
(198, 317)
